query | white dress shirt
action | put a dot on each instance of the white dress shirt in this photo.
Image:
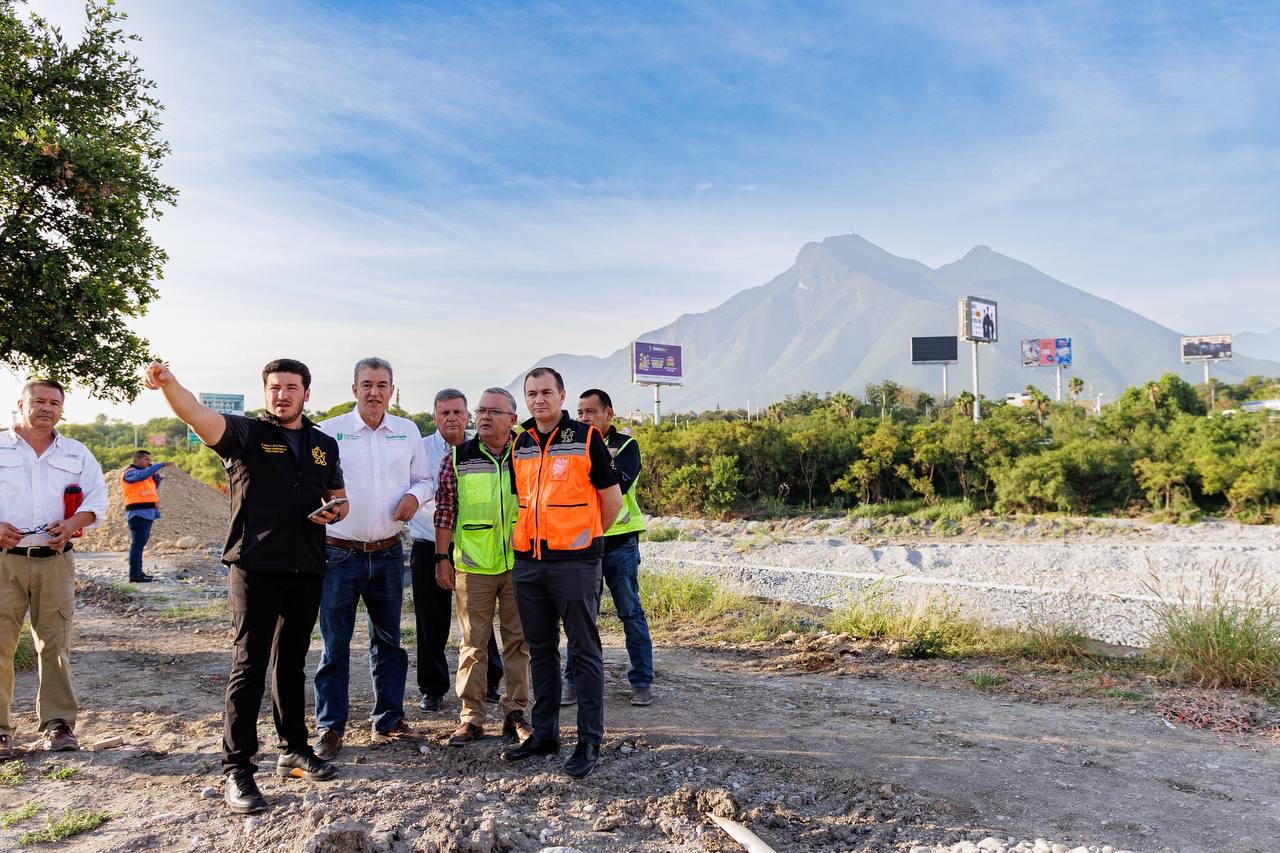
(379, 467)
(31, 486)
(423, 524)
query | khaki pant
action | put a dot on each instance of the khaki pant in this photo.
(476, 598)
(46, 587)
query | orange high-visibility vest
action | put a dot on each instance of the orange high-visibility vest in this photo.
(140, 495)
(559, 507)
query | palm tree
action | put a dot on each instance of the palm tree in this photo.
(964, 402)
(1075, 388)
(1039, 402)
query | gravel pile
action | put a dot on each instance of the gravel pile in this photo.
(1101, 578)
(192, 515)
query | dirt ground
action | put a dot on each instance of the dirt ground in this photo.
(819, 748)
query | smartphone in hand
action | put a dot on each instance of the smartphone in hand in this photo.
(326, 506)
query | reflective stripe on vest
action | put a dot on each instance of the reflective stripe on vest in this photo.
(558, 505)
(486, 511)
(141, 492)
(630, 519)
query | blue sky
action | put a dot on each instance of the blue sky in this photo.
(464, 189)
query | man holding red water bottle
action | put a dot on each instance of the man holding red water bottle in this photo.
(51, 488)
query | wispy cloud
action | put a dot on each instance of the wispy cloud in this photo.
(466, 189)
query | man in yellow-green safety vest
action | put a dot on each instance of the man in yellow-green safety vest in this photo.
(621, 562)
(476, 509)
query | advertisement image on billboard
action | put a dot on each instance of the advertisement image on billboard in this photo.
(656, 364)
(1046, 352)
(936, 349)
(223, 404)
(1206, 348)
(979, 320)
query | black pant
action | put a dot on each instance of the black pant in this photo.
(433, 614)
(549, 592)
(273, 615)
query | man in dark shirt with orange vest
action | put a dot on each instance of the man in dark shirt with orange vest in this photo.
(568, 492)
(140, 491)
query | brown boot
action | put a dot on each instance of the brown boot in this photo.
(60, 738)
(515, 729)
(329, 745)
(465, 734)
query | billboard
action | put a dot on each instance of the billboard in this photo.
(937, 349)
(656, 364)
(1046, 352)
(1206, 348)
(223, 404)
(158, 439)
(978, 320)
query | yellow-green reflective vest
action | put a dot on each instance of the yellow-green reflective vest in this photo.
(630, 519)
(487, 509)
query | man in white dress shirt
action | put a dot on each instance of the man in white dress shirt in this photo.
(385, 470)
(51, 488)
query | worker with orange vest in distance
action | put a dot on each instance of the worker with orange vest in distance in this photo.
(567, 487)
(140, 490)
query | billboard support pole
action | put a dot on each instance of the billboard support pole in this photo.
(1209, 384)
(657, 404)
(944, 384)
(977, 399)
(1059, 369)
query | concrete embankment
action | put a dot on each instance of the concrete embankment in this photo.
(1100, 576)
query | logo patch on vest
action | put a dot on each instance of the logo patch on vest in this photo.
(319, 456)
(559, 468)
(273, 448)
(566, 436)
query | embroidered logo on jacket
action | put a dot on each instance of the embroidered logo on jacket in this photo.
(319, 456)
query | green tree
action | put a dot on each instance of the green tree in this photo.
(1075, 387)
(79, 152)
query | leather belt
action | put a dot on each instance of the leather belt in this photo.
(39, 552)
(367, 547)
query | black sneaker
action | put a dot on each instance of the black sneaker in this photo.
(305, 765)
(492, 696)
(242, 794)
(142, 578)
(430, 703)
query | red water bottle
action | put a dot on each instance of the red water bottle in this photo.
(72, 497)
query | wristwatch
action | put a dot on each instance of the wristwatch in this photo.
(440, 557)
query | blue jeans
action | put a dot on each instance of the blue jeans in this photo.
(139, 533)
(621, 568)
(378, 578)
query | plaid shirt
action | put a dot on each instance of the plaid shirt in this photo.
(446, 494)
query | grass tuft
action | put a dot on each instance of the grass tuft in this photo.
(1048, 641)
(60, 774)
(983, 679)
(71, 823)
(212, 612)
(11, 773)
(929, 628)
(18, 815)
(1128, 695)
(662, 534)
(1216, 640)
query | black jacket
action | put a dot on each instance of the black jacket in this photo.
(272, 492)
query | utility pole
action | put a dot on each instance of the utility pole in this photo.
(1059, 368)
(977, 399)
